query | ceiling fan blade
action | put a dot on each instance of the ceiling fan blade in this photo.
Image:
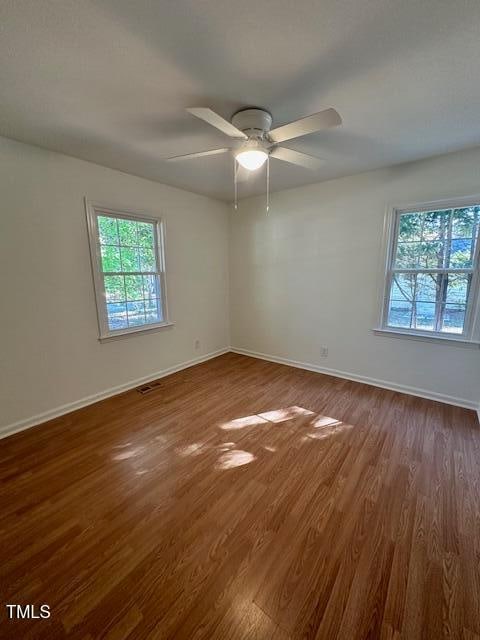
(316, 122)
(217, 121)
(198, 154)
(295, 157)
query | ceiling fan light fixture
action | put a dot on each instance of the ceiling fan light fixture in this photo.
(252, 159)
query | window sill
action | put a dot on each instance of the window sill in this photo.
(459, 342)
(135, 332)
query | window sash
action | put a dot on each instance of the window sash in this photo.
(440, 307)
(472, 299)
(93, 213)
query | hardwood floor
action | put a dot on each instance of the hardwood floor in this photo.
(245, 499)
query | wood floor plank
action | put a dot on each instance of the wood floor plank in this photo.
(245, 499)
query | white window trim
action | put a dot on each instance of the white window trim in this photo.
(92, 210)
(471, 333)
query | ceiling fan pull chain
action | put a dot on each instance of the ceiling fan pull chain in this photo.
(268, 184)
(235, 169)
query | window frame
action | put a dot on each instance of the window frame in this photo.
(93, 210)
(470, 334)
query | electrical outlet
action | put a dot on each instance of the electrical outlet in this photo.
(197, 344)
(324, 352)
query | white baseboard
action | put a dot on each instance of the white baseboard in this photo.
(9, 429)
(384, 384)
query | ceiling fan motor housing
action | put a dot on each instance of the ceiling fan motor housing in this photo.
(253, 122)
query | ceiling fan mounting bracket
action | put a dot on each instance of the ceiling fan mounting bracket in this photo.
(253, 122)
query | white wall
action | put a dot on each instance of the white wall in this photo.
(307, 275)
(49, 351)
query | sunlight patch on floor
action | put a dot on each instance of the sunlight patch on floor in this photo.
(261, 419)
(193, 449)
(334, 427)
(325, 421)
(225, 446)
(235, 458)
(311, 426)
(126, 455)
(241, 423)
(282, 415)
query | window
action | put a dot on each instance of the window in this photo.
(432, 271)
(127, 253)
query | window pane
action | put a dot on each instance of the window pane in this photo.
(417, 299)
(408, 255)
(111, 258)
(127, 230)
(114, 288)
(424, 316)
(437, 239)
(130, 259)
(403, 286)
(413, 301)
(420, 255)
(151, 286)
(136, 313)
(147, 259)
(145, 234)
(464, 222)
(453, 318)
(435, 225)
(432, 255)
(461, 253)
(117, 315)
(464, 231)
(134, 287)
(428, 285)
(107, 228)
(153, 310)
(421, 241)
(410, 227)
(457, 288)
(399, 313)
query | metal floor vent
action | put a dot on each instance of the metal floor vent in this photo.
(150, 386)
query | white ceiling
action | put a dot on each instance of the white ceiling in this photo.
(108, 80)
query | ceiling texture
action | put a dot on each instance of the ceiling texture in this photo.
(108, 81)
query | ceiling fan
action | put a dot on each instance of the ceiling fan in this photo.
(255, 143)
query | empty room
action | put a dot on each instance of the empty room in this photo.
(240, 326)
